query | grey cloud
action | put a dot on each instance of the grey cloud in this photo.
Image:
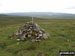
(71, 7)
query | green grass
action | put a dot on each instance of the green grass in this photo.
(60, 32)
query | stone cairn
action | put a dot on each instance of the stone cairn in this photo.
(31, 31)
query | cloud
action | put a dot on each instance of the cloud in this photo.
(71, 7)
(36, 5)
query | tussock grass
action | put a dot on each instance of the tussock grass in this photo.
(62, 37)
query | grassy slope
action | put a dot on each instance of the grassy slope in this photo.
(60, 30)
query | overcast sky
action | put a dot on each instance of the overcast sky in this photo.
(66, 6)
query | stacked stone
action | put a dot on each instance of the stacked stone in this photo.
(31, 31)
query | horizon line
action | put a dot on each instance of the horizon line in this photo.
(34, 11)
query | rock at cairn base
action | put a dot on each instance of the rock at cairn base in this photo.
(31, 31)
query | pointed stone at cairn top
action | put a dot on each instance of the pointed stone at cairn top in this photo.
(32, 20)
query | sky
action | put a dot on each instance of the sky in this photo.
(64, 6)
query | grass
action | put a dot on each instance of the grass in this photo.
(62, 37)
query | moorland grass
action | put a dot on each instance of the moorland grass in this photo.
(62, 37)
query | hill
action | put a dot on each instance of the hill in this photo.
(49, 15)
(62, 37)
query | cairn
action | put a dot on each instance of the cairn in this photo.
(31, 31)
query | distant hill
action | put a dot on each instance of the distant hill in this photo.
(5, 16)
(48, 15)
